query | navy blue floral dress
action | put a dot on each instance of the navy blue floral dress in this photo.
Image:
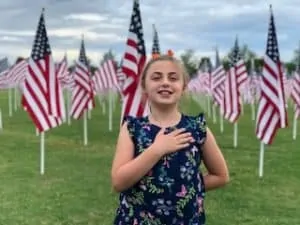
(172, 192)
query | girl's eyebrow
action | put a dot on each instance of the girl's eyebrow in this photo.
(160, 73)
(157, 73)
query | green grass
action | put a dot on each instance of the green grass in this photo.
(76, 186)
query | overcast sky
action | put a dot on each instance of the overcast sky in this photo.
(197, 24)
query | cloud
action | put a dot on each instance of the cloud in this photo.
(86, 17)
(200, 25)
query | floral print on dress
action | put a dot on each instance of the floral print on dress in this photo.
(172, 192)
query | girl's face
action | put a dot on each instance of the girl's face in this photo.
(164, 83)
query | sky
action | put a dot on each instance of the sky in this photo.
(199, 25)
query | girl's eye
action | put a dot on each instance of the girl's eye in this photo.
(155, 78)
(173, 78)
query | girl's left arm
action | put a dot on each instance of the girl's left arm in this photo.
(215, 164)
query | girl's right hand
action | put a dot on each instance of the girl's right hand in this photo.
(172, 142)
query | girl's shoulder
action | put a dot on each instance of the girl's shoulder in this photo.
(134, 123)
(197, 120)
(131, 120)
(197, 124)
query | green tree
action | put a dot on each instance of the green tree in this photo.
(246, 53)
(296, 58)
(205, 63)
(108, 55)
(290, 68)
(19, 58)
(189, 61)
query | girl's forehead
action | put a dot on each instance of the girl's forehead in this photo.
(163, 65)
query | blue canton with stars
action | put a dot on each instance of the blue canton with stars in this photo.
(272, 45)
(137, 28)
(41, 46)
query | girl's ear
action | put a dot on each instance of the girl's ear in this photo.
(184, 89)
(144, 96)
(143, 90)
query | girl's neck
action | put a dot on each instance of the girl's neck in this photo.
(164, 118)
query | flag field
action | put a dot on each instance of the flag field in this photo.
(76, 190)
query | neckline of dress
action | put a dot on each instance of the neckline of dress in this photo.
(159, 127)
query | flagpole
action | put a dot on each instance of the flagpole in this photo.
(42, 153)
(114, 100)
(103, 104)
(214, 114)
(221, 122)
(15, 99)
(1, 123)
(253, 111)
(89, 114)
(261, 159)
(235, 134)
(208, 105)
(295, 125)
(110, 110)
(69, 107)
(85, 135)
(10, 102)
(242, 106)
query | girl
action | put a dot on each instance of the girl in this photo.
(156, 167)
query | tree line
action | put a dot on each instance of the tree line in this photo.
(192, 63)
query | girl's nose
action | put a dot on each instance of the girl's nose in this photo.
(165, 84)
(165, 81)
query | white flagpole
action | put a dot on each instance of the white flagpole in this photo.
(103, 106)
(1, 124)
(253, 111)
(235, 134)
(89, 114)
(221, 122)
(85, 135)
(42, 153)
(294, 127)
(114, 97)
(69, 107)
(242, 107)
(15, 98)
(208, 106)
(214, 114)
(110, 110)
(10, 102)
(261, 159)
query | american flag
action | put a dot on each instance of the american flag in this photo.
(4, 64)
(295, 95)
(134, 103)
(238, 62)
(41, 93)
(217, 82)
(15, 76)
(82, 94)
(232, 99)
(155, 44)
(62, 68)
(4, 67)
(271, 114)
(105, 77)
(65, 77)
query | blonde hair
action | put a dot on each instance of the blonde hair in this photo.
(164, 58)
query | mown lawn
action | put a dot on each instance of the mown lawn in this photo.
(75, 188)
